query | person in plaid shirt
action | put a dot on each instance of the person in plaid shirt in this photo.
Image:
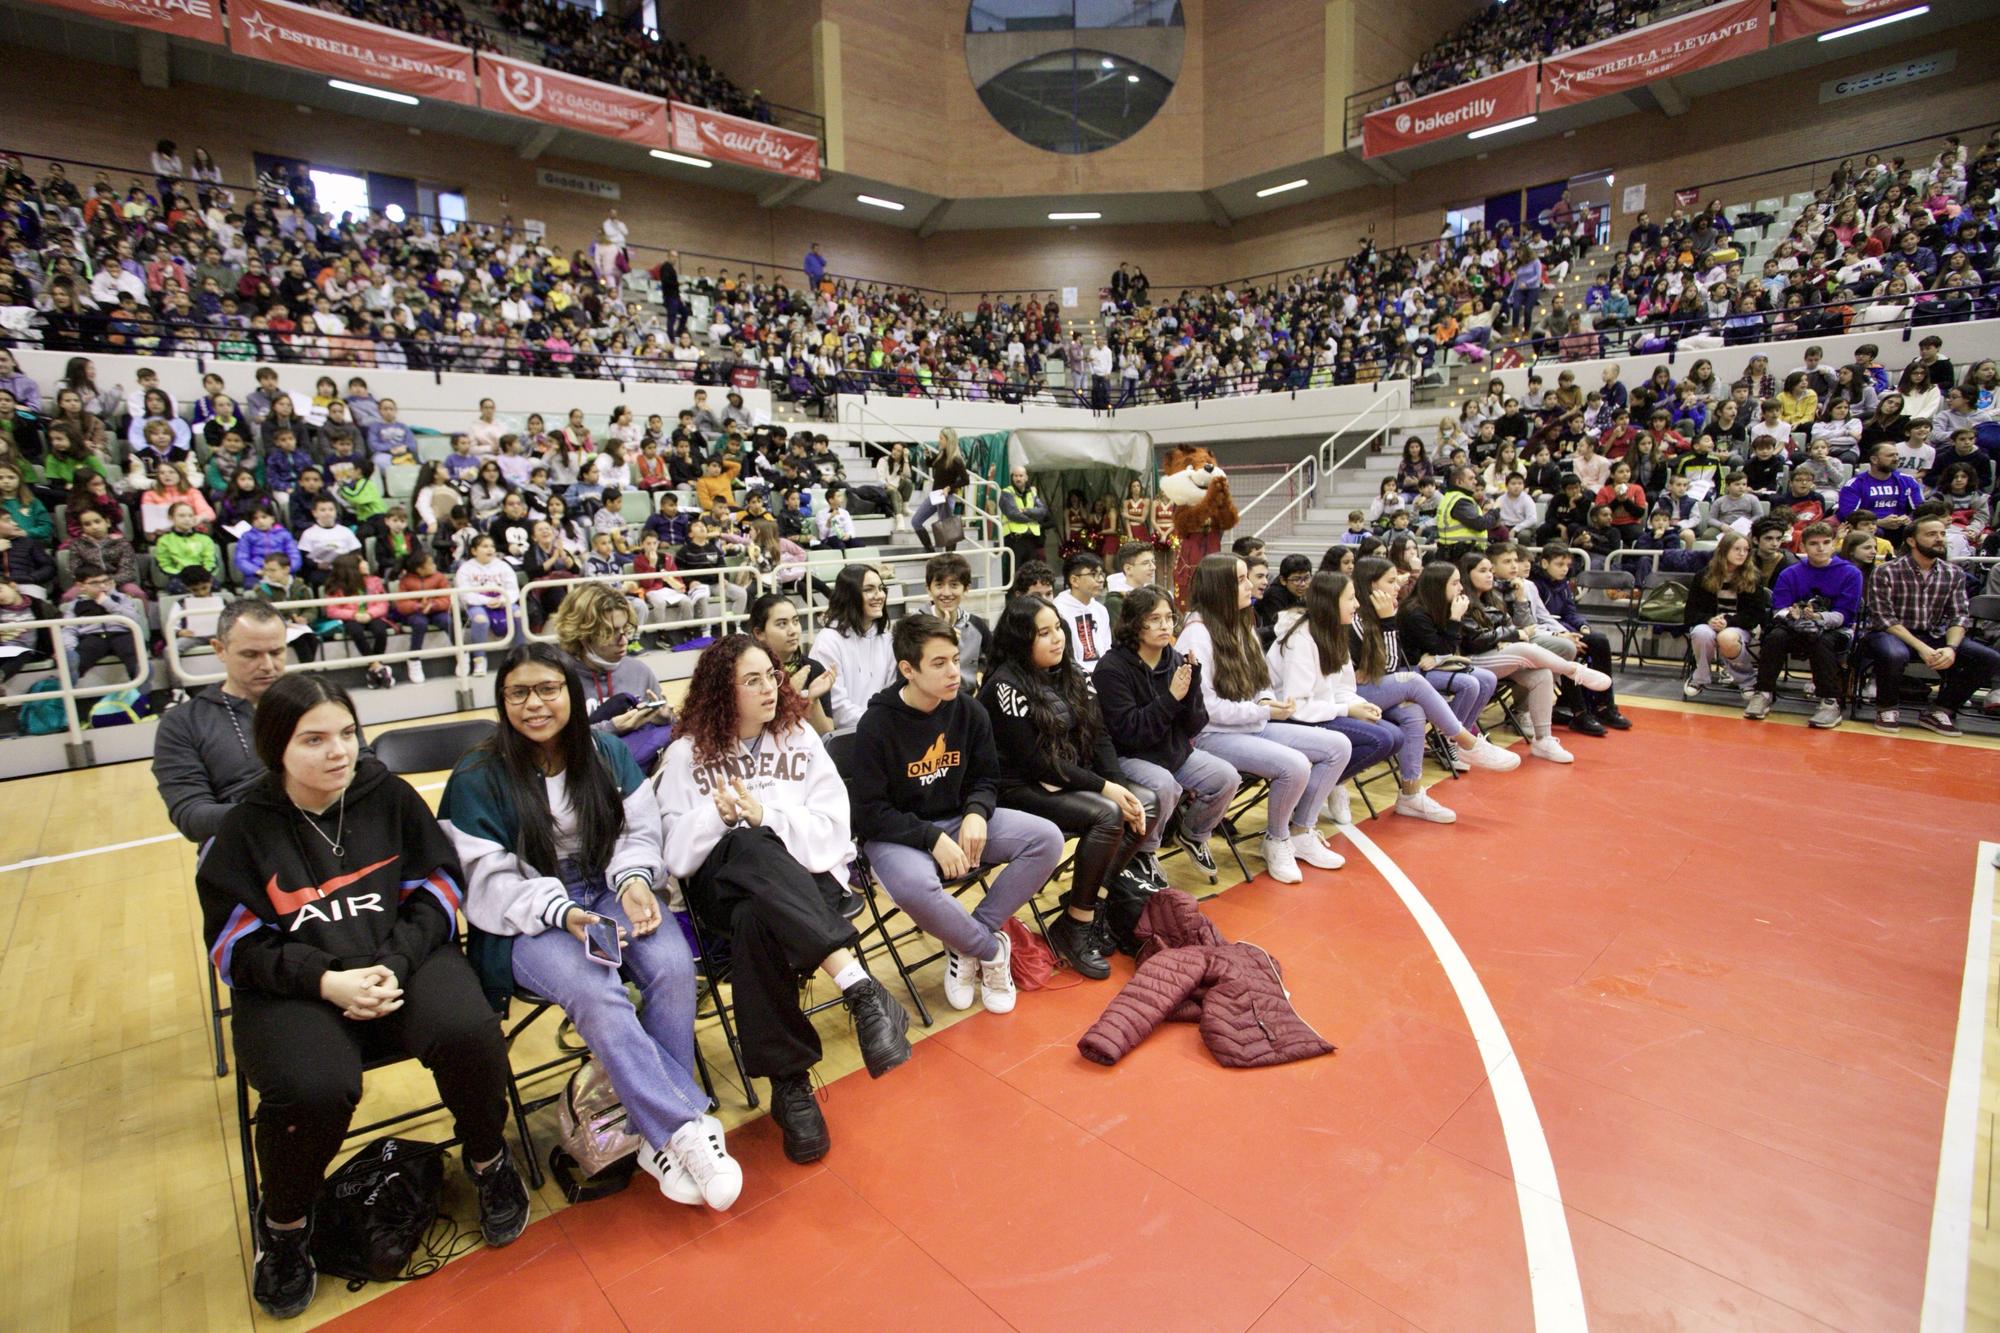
(1917, 611)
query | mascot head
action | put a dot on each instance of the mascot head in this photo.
(1199, 489)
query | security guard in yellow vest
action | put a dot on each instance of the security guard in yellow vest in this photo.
(1022, 514)
(1462, 521)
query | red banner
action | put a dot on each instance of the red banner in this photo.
(1803, 18)
(1620, 64)
(1493, 100)
(748, 143)
(521, 89)
(312, 39)
(199, 19)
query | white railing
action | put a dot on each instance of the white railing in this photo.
(856, 415)
(1305, 475)
(67, 691)
(459, 598)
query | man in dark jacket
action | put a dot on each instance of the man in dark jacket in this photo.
(924, 781)
(1150, 697)
(203, 760)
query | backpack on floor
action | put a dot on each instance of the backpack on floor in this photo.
(1664, 603)
(43, 717)
(597, 1151)
(120, 709)
(1031, 961)
(373, 1212)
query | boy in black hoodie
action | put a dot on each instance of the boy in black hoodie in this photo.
(924, 781)
(329, 899)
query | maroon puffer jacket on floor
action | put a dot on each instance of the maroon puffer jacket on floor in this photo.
(1189, 973)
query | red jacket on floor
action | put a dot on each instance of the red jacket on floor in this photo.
(1190, 974)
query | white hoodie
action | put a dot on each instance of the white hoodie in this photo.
(865, 667)
(792, 777)
(1295, 673)
(1223, 714)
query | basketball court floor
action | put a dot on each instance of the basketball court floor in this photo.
(1687, 1036)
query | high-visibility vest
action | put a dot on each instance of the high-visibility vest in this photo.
(1451, 530)
(1012, 526)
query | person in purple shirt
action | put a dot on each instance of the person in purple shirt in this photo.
(1814, 605)
(26, 392)
(1890, 495)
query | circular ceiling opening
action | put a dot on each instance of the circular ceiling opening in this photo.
(1074, 76)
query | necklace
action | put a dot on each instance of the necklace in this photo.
(339, 830)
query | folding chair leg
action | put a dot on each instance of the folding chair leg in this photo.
(729, 1039)
(895, 955)
(521, 1128)
(217, 1011)
(707, 1081)
(246, 1136)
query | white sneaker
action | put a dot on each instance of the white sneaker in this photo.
(996, 979)
(698, 1144)
(1420, 805)
(675, 1183)
(1459, 763)
(1340, 806)
(1551, 749)
(1278, 859)
(479, 665)
(1592, 679)
(1312, 849)
(1485, 754)
(416, 672)
(960, 975)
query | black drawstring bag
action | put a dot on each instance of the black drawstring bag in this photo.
(374, 1212)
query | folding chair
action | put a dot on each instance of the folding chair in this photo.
(715, 969)
(564, 1058)
(217, 1011)
(1254, 790)
(432, 748)
(1384, 771)
(1620, 612)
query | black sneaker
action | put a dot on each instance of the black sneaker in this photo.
(880, 1025)
(851, 904)
(1079, 944)
(1614, 719)
(1148, 866)
(1588, 724)
(1197, 851)
(1938, 720)
(286, 1276)
(503, 1200)
(798, 1118)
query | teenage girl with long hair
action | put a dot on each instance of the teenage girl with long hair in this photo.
(854, 644)
(1311, 662)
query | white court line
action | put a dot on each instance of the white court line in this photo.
(1948, 1269)
(1552, 1277)
(34, 861)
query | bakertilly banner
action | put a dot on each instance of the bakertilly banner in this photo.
(1695, 40)
(367, 53)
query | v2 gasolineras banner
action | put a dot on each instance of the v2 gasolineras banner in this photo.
(1619, 64)
(199, 19)
(521, 89)
(1805, 18)
(1493, 100)
(747, 143)
(288, 34)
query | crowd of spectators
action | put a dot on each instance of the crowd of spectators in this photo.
(1509, 33)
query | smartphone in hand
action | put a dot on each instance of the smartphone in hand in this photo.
(600, 943)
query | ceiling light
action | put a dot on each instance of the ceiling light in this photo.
(394, 212)
(1108, 63)
(1885, 20)
(875, 202)
(685, 161)
(1074, 217)
(1503, 127)
(1131, 78)
(366, 91)
(1270, 190)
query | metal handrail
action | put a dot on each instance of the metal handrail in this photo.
(67, 690)
(1317, 462)
(458, 597)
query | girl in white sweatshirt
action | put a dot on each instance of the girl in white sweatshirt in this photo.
(854, 646)
(491, 586)
(1312, 661)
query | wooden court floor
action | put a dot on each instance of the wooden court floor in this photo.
(1727, 957)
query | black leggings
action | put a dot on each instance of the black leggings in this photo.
(368, 637)
(1823, 650)
(782, 921)
(305, 1061)
(1105, 844)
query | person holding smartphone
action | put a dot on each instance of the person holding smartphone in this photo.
(558, 831)
(329, 896)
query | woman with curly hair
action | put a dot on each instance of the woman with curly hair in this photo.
(757, 831)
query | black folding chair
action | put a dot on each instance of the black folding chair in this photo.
(565, 1057)
(1610, 598)
(429, 749)
(714, 961)
(1254, 790)
(1385, 771)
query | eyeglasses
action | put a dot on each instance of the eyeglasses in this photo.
(547, 691)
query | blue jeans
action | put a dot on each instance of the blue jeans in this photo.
(648, 1053)
(1469, 691)
(420, 623)
(1372, 742)
(1408, 701)
(1030, 846)
(1205, 782)
(1301, 762)
(1974, 666)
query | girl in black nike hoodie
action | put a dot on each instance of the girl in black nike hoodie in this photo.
(329, 901)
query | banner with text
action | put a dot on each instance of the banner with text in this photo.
(1803, 18)
(199, 19)
(747, 143)
(1494, 100)
(1620, 64)
(312, 39)
(521, 89)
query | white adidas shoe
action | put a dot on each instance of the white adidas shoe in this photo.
(996, 979)
(699, 1146)
(1312, 849)
(961, 977)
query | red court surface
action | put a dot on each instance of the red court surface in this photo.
(1728, 959)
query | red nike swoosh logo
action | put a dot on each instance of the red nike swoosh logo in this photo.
(291, 901)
